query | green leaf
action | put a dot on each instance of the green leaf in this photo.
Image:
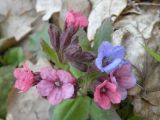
(34, 39)
(14, 56)
(152, 53)
(83, 40)
(125, 110)
(75, 72)
(104, 33)
(135, 118)
(52, 55)
(94, 75)
(6, 83)
(97, 113)
(73, 109)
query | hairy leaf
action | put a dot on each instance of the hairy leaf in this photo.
(76, 73)
(6, 83)
(97, 113)
(73, 109)
(83, 40)
(14, 56)
(104, 33)
(52, 55)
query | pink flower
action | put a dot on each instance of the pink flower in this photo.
(56, 85)
(76, 19)
(105, 94)
(25, 78)
(123, 78)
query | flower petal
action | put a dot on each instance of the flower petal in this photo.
(111, 87)
(55, 96)
(125, 77)
(65, 77)
(112, 66)
(117, 52)
(75, 19)
(127, 81)
(24, 77)
(48, 73)
(124, 70)
(67, 90)
(98, 62)
(123, 93)
(115, 97)
(105, 48)
(23, 86)
(103, 102)
(44, 87)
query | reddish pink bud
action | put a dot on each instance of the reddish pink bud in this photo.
(76, 19)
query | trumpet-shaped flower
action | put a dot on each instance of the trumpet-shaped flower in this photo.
(24, 78)
(105, 94)
(109, 57)
(123, 78)
(56, 85)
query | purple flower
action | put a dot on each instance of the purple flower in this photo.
(109, 57)
(56, 85)
(123, 78)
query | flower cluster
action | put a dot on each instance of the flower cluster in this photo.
(114, 73)
(113, 89)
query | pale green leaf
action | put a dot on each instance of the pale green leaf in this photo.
(104, 33)
(83, 40)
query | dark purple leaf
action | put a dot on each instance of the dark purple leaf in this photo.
(54, 34)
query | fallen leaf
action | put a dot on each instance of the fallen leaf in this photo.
(20, 15)
(48, 7)
(132, 31)
(101, 10)
(146, 110)
(6, 43)
(28, 106)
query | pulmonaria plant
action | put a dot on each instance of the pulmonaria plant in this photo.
(98, 73)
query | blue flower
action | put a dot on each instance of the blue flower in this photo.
(109, 57)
